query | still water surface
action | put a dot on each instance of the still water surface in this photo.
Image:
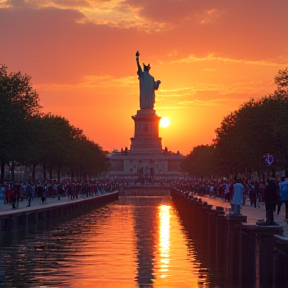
(133, 242)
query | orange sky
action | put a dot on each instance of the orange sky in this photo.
(210, 56)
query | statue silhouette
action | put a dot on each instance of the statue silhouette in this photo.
(147, 85)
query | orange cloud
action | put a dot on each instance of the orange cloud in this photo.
(211, 57)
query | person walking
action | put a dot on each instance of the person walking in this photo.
(28, 192)
(237, 199)
(252, 194)
(17, 194)
(270, 199)
(13, 197)
(227, 194)
(283, 186)
(258, 194)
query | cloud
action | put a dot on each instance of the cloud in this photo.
(176, 11)
(150, 16)
(211, 57)
(114, 13)
(92, 81)
(203, 94)
(158, 15)
(210, 16)
(208, 70)
(13, 4)
(64, 4)
(61, 45)
(58, 49)
(211, 94)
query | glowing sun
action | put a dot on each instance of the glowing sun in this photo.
(164, 122)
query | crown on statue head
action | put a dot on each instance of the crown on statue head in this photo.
(146, 67)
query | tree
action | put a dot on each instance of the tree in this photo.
(281, 80)
(36, 143)
(18, 102)
(86, 158)
(59, 136)
(201, 161)
(32, 138)
(279, 125)
(258, 127)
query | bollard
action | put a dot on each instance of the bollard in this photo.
(249, 255)
(234, 224)
(280, 261)
(264, 246)
(212, 239)
(257, 246)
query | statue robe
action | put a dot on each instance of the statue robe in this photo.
(147, 89)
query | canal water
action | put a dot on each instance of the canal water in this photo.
(133, 242)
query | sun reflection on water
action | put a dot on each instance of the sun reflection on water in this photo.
(164, 239)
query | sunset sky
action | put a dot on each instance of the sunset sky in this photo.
(210, 55)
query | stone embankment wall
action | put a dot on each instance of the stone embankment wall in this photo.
(244, 255)
(27, 218)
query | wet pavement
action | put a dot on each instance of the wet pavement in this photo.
(36, 203)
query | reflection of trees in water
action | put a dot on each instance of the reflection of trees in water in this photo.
(36, 256)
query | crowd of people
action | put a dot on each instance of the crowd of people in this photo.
(273, 193)
(13, 193)
(238, 192)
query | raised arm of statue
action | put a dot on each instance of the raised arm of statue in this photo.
(138, 64)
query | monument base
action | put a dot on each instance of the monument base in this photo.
(145, 166)
(146, 139)
(145, 160)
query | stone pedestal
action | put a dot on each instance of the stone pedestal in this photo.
(145, 159)
(146, 136)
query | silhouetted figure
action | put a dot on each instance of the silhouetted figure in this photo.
(28, 192)
(283, 185)
(147, 85)
(270, 199)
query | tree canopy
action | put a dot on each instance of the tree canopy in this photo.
(30, 137)
(258, 127)
(201, 161)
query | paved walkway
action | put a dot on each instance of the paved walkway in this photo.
(253, 214)
(36, 203)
